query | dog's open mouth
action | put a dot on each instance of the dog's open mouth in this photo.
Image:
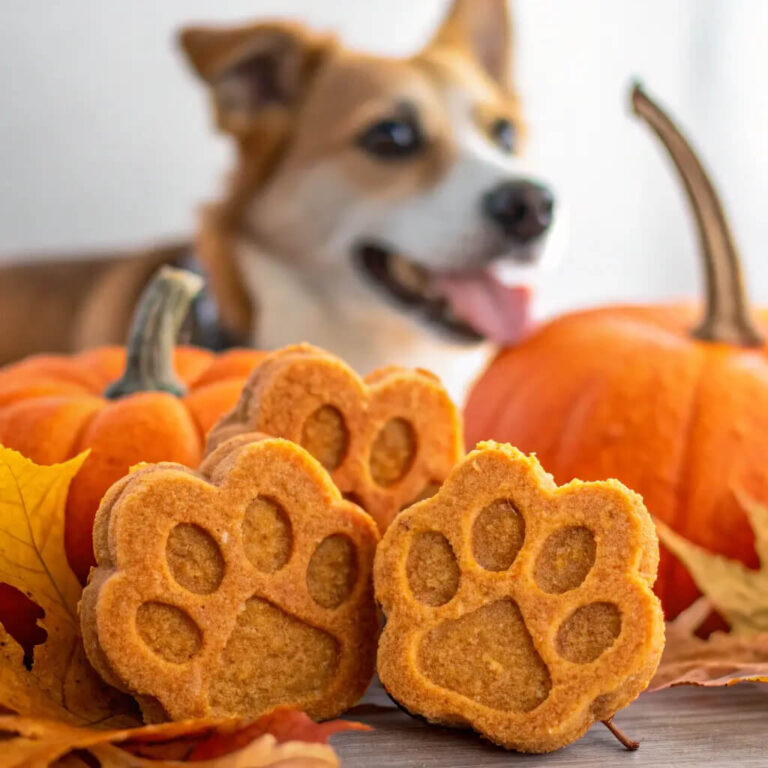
(470, 305)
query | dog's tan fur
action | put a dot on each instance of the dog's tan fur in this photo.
(299, 137)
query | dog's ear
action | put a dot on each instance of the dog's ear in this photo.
(253, 69)
(483, 30)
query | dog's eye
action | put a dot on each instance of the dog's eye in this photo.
(504, 134)
(392, 138)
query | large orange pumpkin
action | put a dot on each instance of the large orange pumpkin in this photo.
(53, 407)
(680, 415)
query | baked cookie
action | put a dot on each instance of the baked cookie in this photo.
(518, 608)
(388, 440)
(234, 590)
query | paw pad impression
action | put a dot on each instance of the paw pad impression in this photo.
(387, 440)
(233, 590)
(521, 609)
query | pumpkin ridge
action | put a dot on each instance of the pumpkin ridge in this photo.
(586, 392)
(683, 478)
(193, 417)
(34, 426)
(502, 407)
(499, 412)
(499, 405)
(79, 443)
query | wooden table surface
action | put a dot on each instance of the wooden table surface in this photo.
(683, 726)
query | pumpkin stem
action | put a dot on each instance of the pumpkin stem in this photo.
(156, 323)
(727, 317)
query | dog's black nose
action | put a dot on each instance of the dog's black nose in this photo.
(522, 209)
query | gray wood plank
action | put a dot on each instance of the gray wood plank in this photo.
(681, 727)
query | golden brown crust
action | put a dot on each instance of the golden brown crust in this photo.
(558, 630)
(234, 594)
(384, 438)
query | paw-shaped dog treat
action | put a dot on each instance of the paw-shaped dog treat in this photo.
(234, 590)
(388, 440)
(516, 607)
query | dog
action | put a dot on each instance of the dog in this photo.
(377, 207)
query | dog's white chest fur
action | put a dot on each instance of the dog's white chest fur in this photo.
(334, 308)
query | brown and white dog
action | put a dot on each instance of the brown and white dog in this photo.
(377, 207)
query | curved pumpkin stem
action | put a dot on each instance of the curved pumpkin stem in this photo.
(727, 317)
(156, 323)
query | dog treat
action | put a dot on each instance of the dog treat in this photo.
(235, 589)
(518, 608)
(388, 440)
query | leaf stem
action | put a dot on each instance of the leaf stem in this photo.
(629, 744)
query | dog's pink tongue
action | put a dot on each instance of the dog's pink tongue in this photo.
(498, 311)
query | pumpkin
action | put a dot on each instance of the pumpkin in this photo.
(54, 407)
(674, 409)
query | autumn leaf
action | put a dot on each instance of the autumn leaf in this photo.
(722, 659)
(284, 738)
(61, 683)
(285, 725)
(32, 501)
(739, 594)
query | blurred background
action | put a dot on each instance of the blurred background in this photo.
(105, 137)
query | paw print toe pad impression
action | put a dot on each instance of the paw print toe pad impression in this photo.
(332, 571)
(497, 535)
(235, 591)
(194, 559)
(325, 435)
(267, 535)
(512, 604)
(433, 573)
(566, 558)
(392, 452)
(588, 632)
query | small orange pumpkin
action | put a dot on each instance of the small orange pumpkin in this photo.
(54, 407)
(681, 416)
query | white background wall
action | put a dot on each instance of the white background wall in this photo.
(105, 138)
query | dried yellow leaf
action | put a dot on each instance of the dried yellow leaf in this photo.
(285, 738)
(721, 659)
(61, 684)
(739, 594)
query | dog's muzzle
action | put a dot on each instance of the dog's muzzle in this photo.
(479, 300)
